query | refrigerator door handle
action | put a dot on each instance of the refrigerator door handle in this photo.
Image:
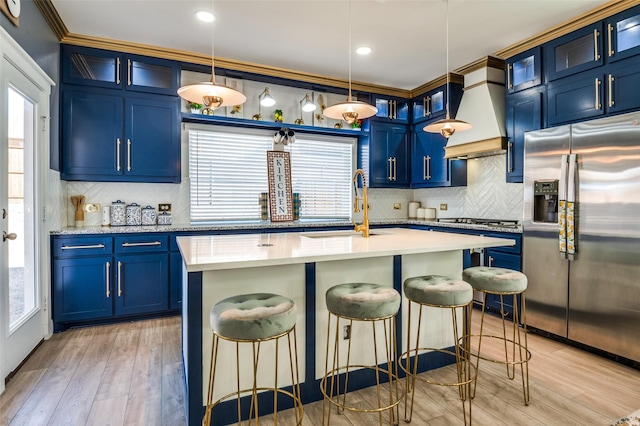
(571, 203)
(562, 207)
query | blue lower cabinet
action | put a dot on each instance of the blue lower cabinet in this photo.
(496, 258)
(82, 288)
(175, 281)
(141, 284)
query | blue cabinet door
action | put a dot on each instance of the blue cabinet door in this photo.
(82, 289)
(429, 167)
(91, 67)
(151, 75)
(152, 145)
(524, 70)
(623, 86)
(91, 136)
(575, 98)
(391, 109)
(503, 260)
(141, 283)
(575, 52)
(175, 284)
(388, 155)
(623, 35)
(523, 114)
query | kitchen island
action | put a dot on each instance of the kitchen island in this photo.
(303, 266)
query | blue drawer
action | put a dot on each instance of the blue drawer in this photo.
(142, 243)
(81, 246)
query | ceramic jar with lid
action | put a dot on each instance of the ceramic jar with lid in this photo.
(134, 214)
(118, 213)
(164, 218)
(148, 216)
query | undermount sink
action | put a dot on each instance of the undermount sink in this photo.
(338, 234)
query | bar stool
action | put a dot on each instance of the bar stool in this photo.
(438, 291)
(371, 303)
(254, 319)
(504, 282)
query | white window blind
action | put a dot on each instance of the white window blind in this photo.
(228, 171)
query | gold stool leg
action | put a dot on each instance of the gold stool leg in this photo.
(212, 376)
(413, 373)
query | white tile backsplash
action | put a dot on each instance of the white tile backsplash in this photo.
(487, 195)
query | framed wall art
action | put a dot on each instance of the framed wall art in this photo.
(280, 195)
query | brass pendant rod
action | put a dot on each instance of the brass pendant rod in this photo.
(349, 51)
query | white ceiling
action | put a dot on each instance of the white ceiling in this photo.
(408, 37)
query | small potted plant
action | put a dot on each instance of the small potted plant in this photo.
(195, 107)
(356, 125)
(277, 116)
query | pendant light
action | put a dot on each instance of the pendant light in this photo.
(350, 110)
(211, 94)
(448, 126)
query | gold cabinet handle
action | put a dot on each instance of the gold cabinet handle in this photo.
(119, 279)
(129, 72)
(596, 55)
(390, 162)
(424, 106)
(395, 168)
(490, 261)
(509, 69)
(427, 167)
(92, 246)
(509, 153)
(428, 108)
(598, 83)
(128, 155)
(117, 70)
(118, 154)
(609, 41)
(395, 110)
(108, 265)
(150, 243)
(611, 101)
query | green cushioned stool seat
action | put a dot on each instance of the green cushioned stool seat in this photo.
(362, 301)
(438, 290)
(253, 316)
(495, 280)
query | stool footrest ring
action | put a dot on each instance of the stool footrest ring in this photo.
(518, 347)
(467, 363)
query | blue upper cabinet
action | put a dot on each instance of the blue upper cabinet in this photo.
(578, 51)
(433, 103)
(623, 86)
(115, 70)
(429, 168)
(523, 114)
(385, 155)
(391, 109)
(623, 35)
(576, 98)
(524, 70)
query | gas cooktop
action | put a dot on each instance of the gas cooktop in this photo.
(497, 223)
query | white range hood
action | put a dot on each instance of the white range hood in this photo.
(482, 106)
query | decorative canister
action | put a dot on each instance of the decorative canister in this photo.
(134, 214)
(149, 216)
(296, 205)
(164, 218)
(106, 216)
(264, 206)
(413, 209)
(118, 213)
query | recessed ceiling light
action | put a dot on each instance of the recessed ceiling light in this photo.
(363, 50)
(205, 16)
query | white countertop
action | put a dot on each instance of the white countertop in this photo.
(214, 252)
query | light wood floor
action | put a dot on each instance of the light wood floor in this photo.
(132, 374)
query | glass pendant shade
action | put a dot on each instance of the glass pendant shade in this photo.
(350, 111)
(211, 94)
(447, 127)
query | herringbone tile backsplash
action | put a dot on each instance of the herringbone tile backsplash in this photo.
(486, 196)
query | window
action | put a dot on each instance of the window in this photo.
(228, 171)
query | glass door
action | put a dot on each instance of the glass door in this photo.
(22, 322)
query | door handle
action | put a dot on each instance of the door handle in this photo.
(611, 101)
(609, 41)
(119, 279)
(118, 154)
(4, 213)
(108, 267)
(128, 155)
(596, 55)
(509, 154)
(12, 236)
(571, 204)
(562, 207)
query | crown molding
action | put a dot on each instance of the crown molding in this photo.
(50, 14)
(486, 62)
(438, 82)
(588, 18)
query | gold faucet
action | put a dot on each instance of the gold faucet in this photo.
(356, 207)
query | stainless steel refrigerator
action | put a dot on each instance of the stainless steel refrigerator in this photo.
(581, 232)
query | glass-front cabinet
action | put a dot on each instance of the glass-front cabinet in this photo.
(623, 35)
(430, 105)
(578, 51)
(391, 109)
(524, 70)
(116, 70)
